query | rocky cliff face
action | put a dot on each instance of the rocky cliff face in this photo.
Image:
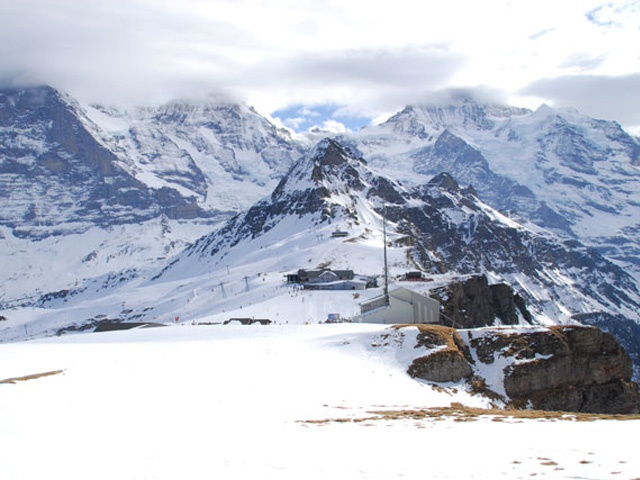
(567, 368)
(626, 331)
(56, 177)
(472, 303)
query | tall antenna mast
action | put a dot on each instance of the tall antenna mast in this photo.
(386, 266)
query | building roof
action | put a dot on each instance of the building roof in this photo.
(401, 293)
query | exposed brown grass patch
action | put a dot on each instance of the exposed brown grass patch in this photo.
(31, 377)
(461, 413)
(433, 335)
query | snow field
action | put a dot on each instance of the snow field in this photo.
(232, 401)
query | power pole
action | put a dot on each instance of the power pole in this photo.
(386, 266)
(246, 281)
(224, 294)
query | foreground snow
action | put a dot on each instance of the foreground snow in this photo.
(231, 402)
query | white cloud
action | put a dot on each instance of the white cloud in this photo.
(293, 123)
(367, 81)
(370, 56)
(334, 126)
(611, 98)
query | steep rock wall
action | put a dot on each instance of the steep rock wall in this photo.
(474, 303)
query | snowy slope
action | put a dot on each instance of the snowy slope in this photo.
(203, 402)
(31, 268)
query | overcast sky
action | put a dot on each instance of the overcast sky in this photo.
(341, 63)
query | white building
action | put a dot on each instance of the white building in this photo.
(405, 306)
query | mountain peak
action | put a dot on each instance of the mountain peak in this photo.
(327, 165)
(427, 119)
(331, 184)
(332, 159)
(329, 152)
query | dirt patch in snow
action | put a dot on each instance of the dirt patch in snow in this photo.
(31, 377)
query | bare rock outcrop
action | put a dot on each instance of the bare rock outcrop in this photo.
(571, 368)
(449, 359)
(474, 303)
(568, 368)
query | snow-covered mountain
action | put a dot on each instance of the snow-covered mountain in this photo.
(65, 168)
(558, 168)
(72, 165)
(89, 190)
(57, 176)
(130, 188)
(438, 227)
(226, 156)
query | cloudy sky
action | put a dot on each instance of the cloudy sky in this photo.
(332, 63)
